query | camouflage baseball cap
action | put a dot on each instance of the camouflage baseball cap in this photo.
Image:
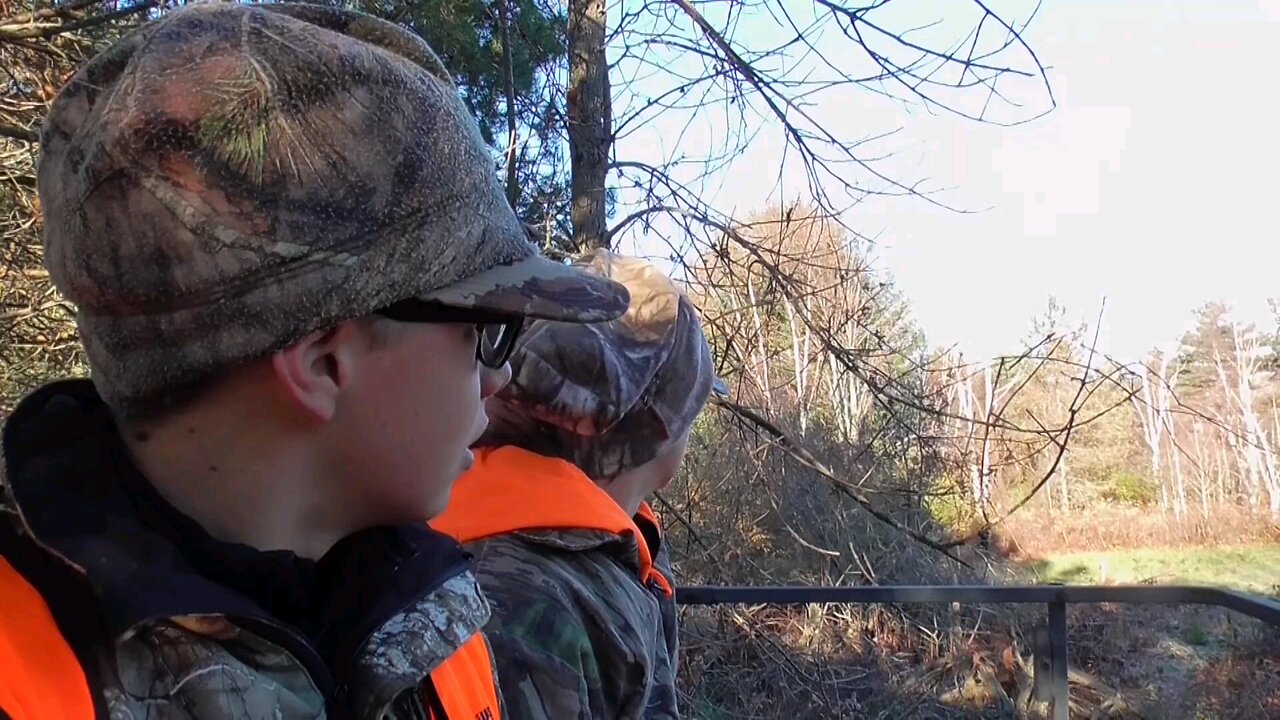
(611, 396)
(228, 178)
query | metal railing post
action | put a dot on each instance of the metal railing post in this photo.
(1042, 664)
(1058, 660)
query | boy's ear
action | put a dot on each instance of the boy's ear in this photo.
(313, 372)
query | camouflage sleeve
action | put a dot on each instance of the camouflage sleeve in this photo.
(561, 634)
(664, 698)
(544, 683)
(554, 663)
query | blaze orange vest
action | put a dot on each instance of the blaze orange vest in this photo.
(41, 678)
(510, 489)
(464, 683)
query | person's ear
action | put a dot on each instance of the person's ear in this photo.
(313, 372)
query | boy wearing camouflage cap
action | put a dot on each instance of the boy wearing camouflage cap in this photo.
(595, 420)
(289, 254)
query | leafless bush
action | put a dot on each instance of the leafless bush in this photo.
(744, 512)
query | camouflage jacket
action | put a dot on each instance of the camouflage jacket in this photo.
(166, 625)
(584, 617)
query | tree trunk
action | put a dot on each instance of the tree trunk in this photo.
(744, 360)
(982, 493)
(1204, 483)
(799, 365)
(1246, 468)
(853, 403)
(1063, 491)
(838, 402)
(1260, 458)
(967, 409)
(1267, 459)
(508, 79)
(760, 343)
(1179, 486)
(1222, 466)
(1266, 463)
(813, 372)
(1155, 470)
(1152, 409)
(590, 124)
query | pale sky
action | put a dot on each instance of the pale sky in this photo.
(1152, 183)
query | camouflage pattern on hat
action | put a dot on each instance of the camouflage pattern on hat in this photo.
(611, 396)
(230, 177)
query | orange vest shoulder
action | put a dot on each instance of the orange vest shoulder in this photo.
(510, 489)
(40, 676)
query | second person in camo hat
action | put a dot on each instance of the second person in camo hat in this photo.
(595, 420)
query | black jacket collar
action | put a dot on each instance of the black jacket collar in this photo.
(66, 470)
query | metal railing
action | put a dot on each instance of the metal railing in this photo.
(1049, 641)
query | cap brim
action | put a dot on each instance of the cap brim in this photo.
(538, 287)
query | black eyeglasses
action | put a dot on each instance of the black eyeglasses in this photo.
(497, 333)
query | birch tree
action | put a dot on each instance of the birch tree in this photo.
(978, 395)
(1053, 340)
(808, 279)
(1151, 405)
(1238, 385)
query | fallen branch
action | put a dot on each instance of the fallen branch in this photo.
(19, 133)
